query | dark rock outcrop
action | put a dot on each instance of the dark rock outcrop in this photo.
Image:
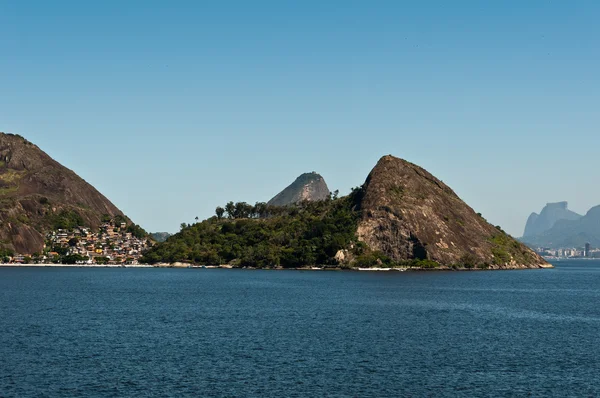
(309, 186)
(36, 191)
(552, 213)
(408, 214)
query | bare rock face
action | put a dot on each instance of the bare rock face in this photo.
(309, 187)
(409, 214)
(35, 190)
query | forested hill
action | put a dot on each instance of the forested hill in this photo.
(266, 236)
(402, 215)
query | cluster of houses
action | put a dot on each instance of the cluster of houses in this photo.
(111, 244)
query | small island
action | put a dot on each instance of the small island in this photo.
(402, 217)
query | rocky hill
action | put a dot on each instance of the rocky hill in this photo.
(539, 223)
(570, 233)
(407, 213)
(38, 194)
(309, 187)
(401, 216)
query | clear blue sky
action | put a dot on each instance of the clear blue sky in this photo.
(171, 108)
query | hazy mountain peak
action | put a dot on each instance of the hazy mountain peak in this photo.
(550, 214)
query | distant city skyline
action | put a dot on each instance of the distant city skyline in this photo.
(586, 251)
(171, 111)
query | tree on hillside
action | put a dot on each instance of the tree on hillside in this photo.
(242, 210)
(230, 210)
(219, 212)
(260, 209)
(137, 231)
(6, 254)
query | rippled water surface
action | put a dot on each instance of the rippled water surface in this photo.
(177, 332)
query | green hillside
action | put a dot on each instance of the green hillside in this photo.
(265, 236)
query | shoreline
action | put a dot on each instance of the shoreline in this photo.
(74, 266)
(330, 269)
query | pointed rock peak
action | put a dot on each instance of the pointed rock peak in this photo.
(392, 173)
(308, 186)
(407, 213)
(392, 159)
(309, 177)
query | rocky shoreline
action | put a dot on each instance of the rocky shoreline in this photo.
(185, 265)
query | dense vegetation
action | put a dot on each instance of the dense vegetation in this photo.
(66, 219)
(266, 236)
(263, 236)
(306, 234)
(506, 249)
(6, 254)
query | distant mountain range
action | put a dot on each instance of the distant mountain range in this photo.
(557, 226)
(539, 223)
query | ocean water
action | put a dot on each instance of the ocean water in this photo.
(235, 333)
